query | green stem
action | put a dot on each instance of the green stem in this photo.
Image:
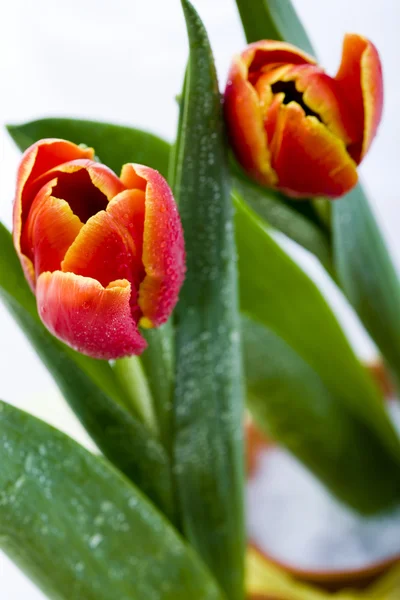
(138, 396)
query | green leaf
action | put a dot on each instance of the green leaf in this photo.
(366, 273)
(13, 283)
(122, 438)
(273, 20)
(208, 395)
(291, 404)
(116, 145)
(80, 529)
(277, 293)
(278, 211)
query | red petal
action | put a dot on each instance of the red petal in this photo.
(94, 320)
(49, 231)
(271, 52)
(244, 118)
(36, 160)
(360, 78)
(163, 247)
(324, 96)
(308, 158)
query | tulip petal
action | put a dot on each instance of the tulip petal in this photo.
(324, 96)
(128, 210)
(308, 159)
(49, 231)
(100, 251)
(360, 77)
(36, 160)
(272, 52)
(94, 320)
(244, 118)
(163, 246)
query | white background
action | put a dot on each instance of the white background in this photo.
(123, 61)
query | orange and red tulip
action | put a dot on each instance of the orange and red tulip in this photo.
(103, 254)
(296, 129)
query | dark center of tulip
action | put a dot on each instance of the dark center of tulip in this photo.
(292, 94)
(84, 198)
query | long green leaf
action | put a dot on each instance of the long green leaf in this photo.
(121, 437)
(80, 529)
(116, 145)
(273, 20)
(292, 405)
(208, 396)
(276, 292)
(366, 273)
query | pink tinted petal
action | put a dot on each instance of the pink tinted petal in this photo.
(163, 247)
(94, 320)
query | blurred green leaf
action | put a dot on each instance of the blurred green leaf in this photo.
(273, 20)
(208, 404)
(291, 404)
(366, 273)
(79, 529)
(277, 293)
(280, 213)
(114, 144)
(122, 438)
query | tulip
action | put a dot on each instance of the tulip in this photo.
(103, 254)
(296, 129)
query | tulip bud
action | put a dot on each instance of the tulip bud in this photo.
(296, 129)
(102, 254)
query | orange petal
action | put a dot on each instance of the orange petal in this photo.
(244, 119)
(100, 250)
(360, 78)
(163, 246)
(308, 159)
(94, 320)
(36, 160)
(49, 231)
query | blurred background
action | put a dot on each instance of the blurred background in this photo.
(123, 61)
